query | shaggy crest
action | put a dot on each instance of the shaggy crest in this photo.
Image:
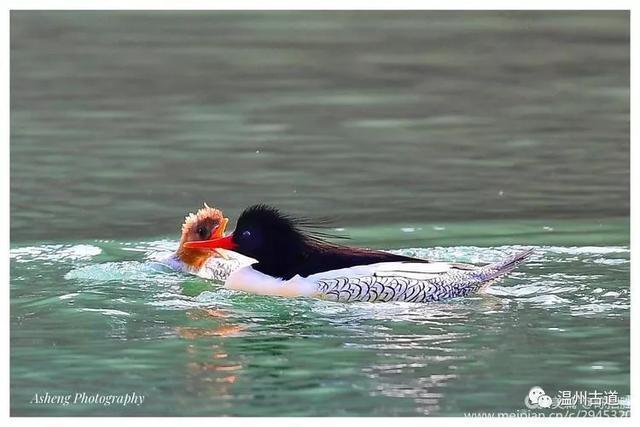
(307, 229)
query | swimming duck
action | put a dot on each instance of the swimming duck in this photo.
(290, 261)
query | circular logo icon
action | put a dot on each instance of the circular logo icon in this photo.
(536, 399)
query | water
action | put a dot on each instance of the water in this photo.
(448, 135)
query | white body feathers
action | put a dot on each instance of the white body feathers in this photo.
(381, 282)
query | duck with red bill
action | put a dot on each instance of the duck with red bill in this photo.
(293, 262)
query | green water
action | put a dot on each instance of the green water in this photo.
(446, 135)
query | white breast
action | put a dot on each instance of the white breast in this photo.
(249, 280)
(216, 268)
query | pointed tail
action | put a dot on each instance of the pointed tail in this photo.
(505, 266)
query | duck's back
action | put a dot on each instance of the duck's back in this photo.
(330, 258)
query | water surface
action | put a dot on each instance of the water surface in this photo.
(103, 317)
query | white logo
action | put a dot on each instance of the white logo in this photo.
(545, 401)
(537, 399)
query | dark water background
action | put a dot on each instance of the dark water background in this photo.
(448, 135)
(121, 121)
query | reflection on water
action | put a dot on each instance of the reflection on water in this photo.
(210, 371)
(122, 121)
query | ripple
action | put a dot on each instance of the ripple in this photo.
(589, 250)
(610, 309)
(107, 312)
(121, 271)
(60, 253)
(547, 300)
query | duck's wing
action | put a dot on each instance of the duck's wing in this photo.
(394, 269)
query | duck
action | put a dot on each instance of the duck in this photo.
(214, 264)
(292, 261)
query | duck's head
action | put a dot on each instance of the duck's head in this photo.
(206, 224)
(264, 234)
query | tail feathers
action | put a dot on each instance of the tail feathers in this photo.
(506, 265)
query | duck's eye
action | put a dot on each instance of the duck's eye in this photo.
(203, 232)
(246, 234)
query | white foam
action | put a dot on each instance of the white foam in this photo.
(107, 312)
(54, 253)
